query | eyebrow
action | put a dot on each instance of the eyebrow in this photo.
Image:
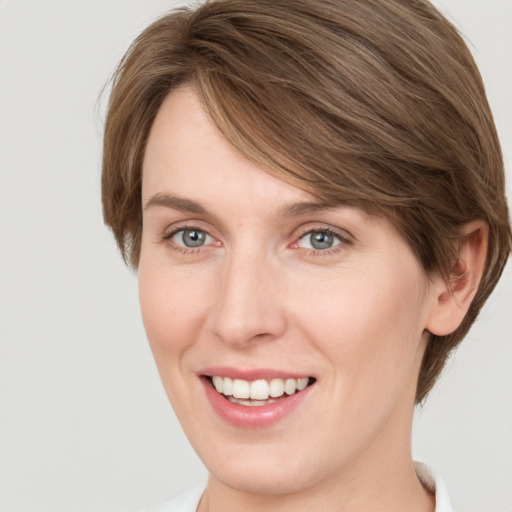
(190, 206)
(176, 203)
(297, 209)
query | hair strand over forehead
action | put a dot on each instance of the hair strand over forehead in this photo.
(374, 103)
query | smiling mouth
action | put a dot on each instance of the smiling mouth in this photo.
(258, 392)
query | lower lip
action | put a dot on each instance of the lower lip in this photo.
(253, 416)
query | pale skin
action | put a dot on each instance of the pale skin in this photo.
(355, 315)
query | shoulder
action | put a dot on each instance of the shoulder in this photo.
(185, 502)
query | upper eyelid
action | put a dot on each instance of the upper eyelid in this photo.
(186, 225)
(174, 232)
(343, 234)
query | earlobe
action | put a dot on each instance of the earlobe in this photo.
(453, 297)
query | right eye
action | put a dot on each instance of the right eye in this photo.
(191, 238)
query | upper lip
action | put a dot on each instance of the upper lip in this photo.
(250, 374)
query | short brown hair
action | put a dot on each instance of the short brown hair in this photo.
(374, 103)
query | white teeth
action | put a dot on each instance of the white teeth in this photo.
(259, 390)
(242, 390)
(290, 386)
(276, 388)
(218, 383)
(228, 386)
(250, 403)
(302, 383)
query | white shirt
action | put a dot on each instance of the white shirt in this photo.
(189, 500)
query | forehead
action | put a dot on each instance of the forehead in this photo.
(187, 158)
(187, 155)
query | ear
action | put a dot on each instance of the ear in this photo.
(453, 298)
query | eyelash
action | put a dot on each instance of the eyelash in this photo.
(343, 241)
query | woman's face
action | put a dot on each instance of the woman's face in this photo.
(247, 279)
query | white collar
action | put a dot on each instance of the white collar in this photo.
(433, 482)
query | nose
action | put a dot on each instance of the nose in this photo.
(249, 304)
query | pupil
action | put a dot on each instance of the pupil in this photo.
(321, 240)
(193, 238)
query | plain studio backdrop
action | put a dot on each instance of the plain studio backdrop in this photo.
(84, 421)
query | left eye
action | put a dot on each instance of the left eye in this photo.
(191, 238)
(319, 240)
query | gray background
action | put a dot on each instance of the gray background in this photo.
(84, 422)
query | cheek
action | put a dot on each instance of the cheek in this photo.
(368, 327)
(173, 305)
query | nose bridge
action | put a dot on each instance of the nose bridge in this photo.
(248, 302)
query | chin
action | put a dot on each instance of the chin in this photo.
(277, 480)
(264, 468)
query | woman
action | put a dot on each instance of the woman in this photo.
(313, 196)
